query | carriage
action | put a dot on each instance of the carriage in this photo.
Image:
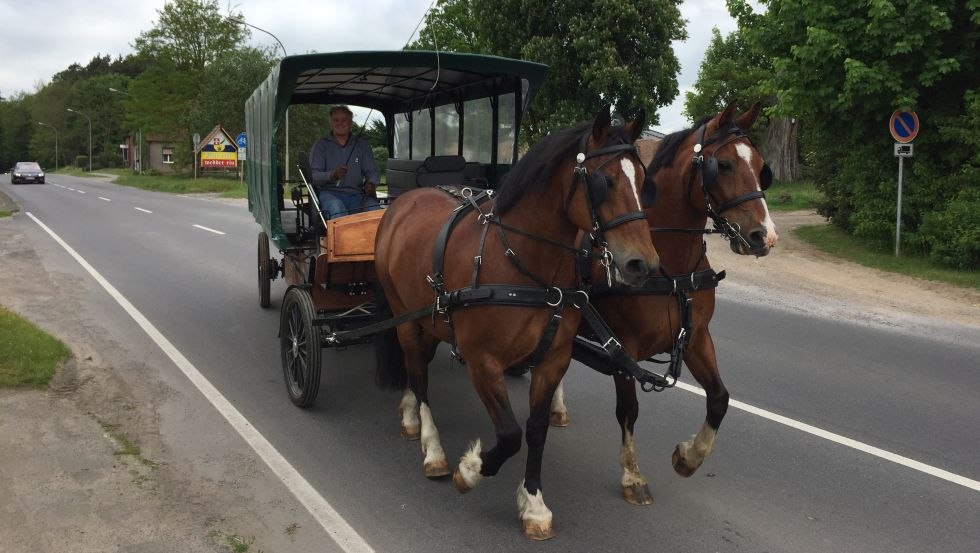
(452, 119)
(453, 122)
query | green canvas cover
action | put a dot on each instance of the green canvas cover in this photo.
(388, 81)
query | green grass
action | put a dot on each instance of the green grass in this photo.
(5, 214)
(836, 242)
(28, 355)
(793, 196)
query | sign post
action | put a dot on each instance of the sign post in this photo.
(904, 127)
(242, 141)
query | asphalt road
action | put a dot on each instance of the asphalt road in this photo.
(768, 486)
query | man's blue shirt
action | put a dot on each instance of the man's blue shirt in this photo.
(328, 154)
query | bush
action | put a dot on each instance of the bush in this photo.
(953, 234)
(381, 157)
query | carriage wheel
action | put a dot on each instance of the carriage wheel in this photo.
(265, 274)
(299, 339)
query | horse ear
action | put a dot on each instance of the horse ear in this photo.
(747, 119)
(636, 126)
(602, 123)
(727, 115)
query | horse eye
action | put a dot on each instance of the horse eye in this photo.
(726, 166)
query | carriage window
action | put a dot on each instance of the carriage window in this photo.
(507, 132)
(421, 134)
(401, 136)
(447, 130)
(477, 132)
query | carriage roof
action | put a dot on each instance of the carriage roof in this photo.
(388, 81)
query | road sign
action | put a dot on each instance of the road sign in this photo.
(904, 126)
(903, 150)
(242, 140)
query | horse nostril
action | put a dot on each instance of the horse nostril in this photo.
(757, 237)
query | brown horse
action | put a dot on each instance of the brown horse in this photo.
(711, 170)
(520, 245)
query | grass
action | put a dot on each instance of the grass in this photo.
(836, 242)
(28, 355)
(173, 184)
(793, 196)
(5, 214)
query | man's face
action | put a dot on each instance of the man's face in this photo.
(340, 124)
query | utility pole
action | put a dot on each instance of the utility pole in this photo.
(89, 119)
(138, 158)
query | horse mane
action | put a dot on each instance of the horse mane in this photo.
(668, 147)
(547, 154)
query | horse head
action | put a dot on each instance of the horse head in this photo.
(725, 177)
(603, 196)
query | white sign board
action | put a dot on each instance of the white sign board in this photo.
(903, 150)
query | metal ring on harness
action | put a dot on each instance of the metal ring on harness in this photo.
(584, 293)
(561, 296)
(466, 192)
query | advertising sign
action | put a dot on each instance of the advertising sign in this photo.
(218, 150)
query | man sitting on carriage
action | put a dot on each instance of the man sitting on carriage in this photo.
(343, 169)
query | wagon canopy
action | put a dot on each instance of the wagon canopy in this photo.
(390, 82)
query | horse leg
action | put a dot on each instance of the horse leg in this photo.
(419, 351)
(634, 484)
(488, 380)
(559, 413)
(408, 411)
(700, 359)
(536, 517)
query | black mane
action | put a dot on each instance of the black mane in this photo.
(544, 157)
(669, 145)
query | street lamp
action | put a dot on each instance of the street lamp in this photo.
(55, 142)
(89, 119)
(139, 137)
(284, 54)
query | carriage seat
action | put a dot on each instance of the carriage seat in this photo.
(441, 171)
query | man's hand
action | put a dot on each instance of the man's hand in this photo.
(339, 173)
(370, 189)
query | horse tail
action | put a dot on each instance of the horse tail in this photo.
(390, 372)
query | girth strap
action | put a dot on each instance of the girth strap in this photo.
(663, 285)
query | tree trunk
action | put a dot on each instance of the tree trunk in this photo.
(781, 150)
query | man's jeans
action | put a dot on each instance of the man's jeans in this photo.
(334, 204)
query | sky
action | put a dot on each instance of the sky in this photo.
(43, 37)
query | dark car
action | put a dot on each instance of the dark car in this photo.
(27, 171)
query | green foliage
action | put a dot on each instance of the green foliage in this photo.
(190, 34)
(953, 234)
(843, 68)
(606, 51)
(730, 72)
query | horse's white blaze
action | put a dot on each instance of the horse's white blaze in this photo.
(627, 460)
(409, 410)
(471, 464)
(745, 152)
(532, 507)
(430, 436)
(630, 170)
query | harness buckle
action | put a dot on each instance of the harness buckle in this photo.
(561, 296)
(613, 342)
(484, 218)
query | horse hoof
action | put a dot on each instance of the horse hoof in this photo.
(680, 464)
(558, 420)
(411, 433)
(637, 494)
(436, 469)
(537, 530)
(460, 484)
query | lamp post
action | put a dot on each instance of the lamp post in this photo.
(55, 142)
(139, 137)
(284, 54)
(89, 119)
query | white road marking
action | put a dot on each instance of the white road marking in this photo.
(70, 188)
(106, 199)
(80, 191)
(848, 442)
(330, 520)
(208, 229)
(143, 210)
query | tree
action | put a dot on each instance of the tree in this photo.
(843, 68)
(191, 34)
(598, 51)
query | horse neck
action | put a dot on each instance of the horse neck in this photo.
(680, 252)
(542, 214)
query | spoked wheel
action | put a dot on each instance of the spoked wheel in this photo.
(299, 339)
(265, 272)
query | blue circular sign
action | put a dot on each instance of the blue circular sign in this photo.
(242, 140)
(904, 126)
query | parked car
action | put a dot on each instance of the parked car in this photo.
(27, 171)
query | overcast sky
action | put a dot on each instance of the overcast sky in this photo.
(42, 37)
